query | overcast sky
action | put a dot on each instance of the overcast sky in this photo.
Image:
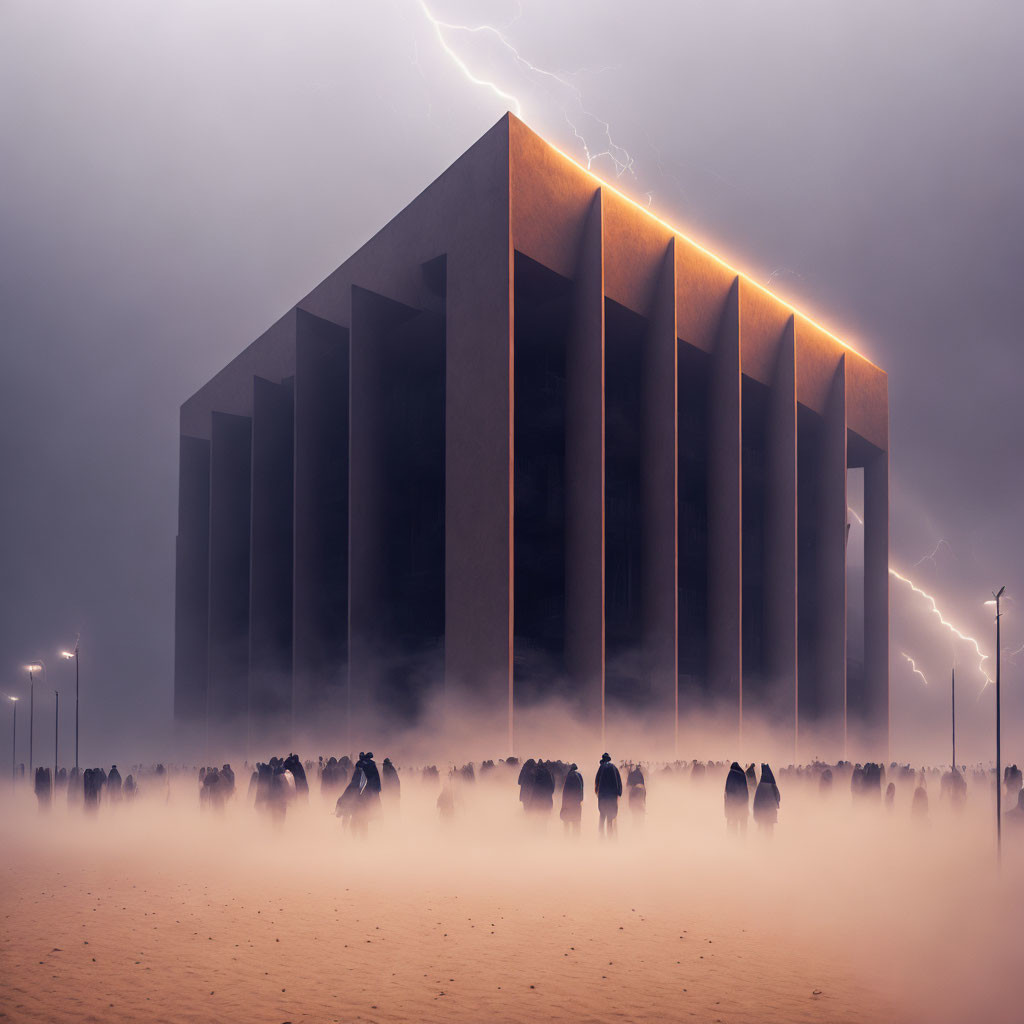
(174, 176)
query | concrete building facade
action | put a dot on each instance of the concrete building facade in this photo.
(530, 441)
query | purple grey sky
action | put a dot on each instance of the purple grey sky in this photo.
(175, 176)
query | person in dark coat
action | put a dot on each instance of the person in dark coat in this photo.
(542, 792)
(890, 796)
(368, 802)
(525, 782)
(766, 801)
(636, 790)
(751, 777)
(93, 782)
(825, 782)
(227, 778)
(348, 802)
(737, 799)
(113, 790)
(131, 788)
(294, 765)
(608, 787)
(572, 800)
(1014, 817)
(919, 805)
(391, 786)
(43, 788)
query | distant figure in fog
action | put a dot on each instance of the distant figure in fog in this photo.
(608, 787)
(43, 788)
(1013, 780)
(1014, 817)
(348, 802)
(825, 783)
(953, 789)
(751, 777)
(294, 765)
(76, 788)
(446, 804)
(227, 777)
(572, 800)
(130, 788)
(766, 801)
(391, 786)
(737, 799)
(525, 782)
(93, 781)
(919, 805)
(212, 791)
(368, 800)
(890, 796)
(114, 785)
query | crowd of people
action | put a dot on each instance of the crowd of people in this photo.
(360, 793)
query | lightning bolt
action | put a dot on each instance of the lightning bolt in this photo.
(935, 551)
(853, 512)
(443, 30)
(914, 667)
(959, 634)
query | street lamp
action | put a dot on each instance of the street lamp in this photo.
(36, 666)
(67, 655)
(999, 760)
(14, 742)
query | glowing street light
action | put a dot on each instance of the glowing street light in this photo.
(67, 656)
(36, 666)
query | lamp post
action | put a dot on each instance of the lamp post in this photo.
(14, 742)
(36, 666)
(999, 760)
(67, 655)
(56, 736)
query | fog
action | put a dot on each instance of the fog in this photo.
(847, 911)
(177, 176)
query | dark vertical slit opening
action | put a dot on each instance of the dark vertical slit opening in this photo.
(542, 321)
(755, 397)
(626, 679)
(694, 382)
(809, 442)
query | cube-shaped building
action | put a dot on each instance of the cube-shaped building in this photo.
(531, 441)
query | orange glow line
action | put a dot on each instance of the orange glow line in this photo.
(707, 252)
(913, 665)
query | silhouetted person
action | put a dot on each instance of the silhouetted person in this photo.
(113, 791)
(608, 787)
(93, 781)
(1014, 817)
(737, 799)
(368, 800)
(572, 800)
(953, 789)
(227, 777)
(751, 777)
(76, 788)
(348, 802)
(446, 804)
(391, 787)
(1013, 780)
(294, 765)
(919, 805)
(825, 782)
(890, 796)
(766, 801)
(525, 782)
(131, 789)
(542, 793)
(43, 788)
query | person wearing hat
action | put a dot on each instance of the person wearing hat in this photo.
(737, 799)
(766, 801)
(608, 787)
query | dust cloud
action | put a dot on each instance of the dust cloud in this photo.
(850, 909)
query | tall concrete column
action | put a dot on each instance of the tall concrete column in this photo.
(830, 677)
(270, 583)
(660, 567)
(192, 587)
(876, 603)
(230, 479)
(479, 380)
(320, 570)
(584, 476)
(725, 518)
(780, 590)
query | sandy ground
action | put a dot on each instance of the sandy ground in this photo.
(155, 913)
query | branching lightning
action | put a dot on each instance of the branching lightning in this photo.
(607, 148)
(931, 558)
(982, 657)
(914, 668)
